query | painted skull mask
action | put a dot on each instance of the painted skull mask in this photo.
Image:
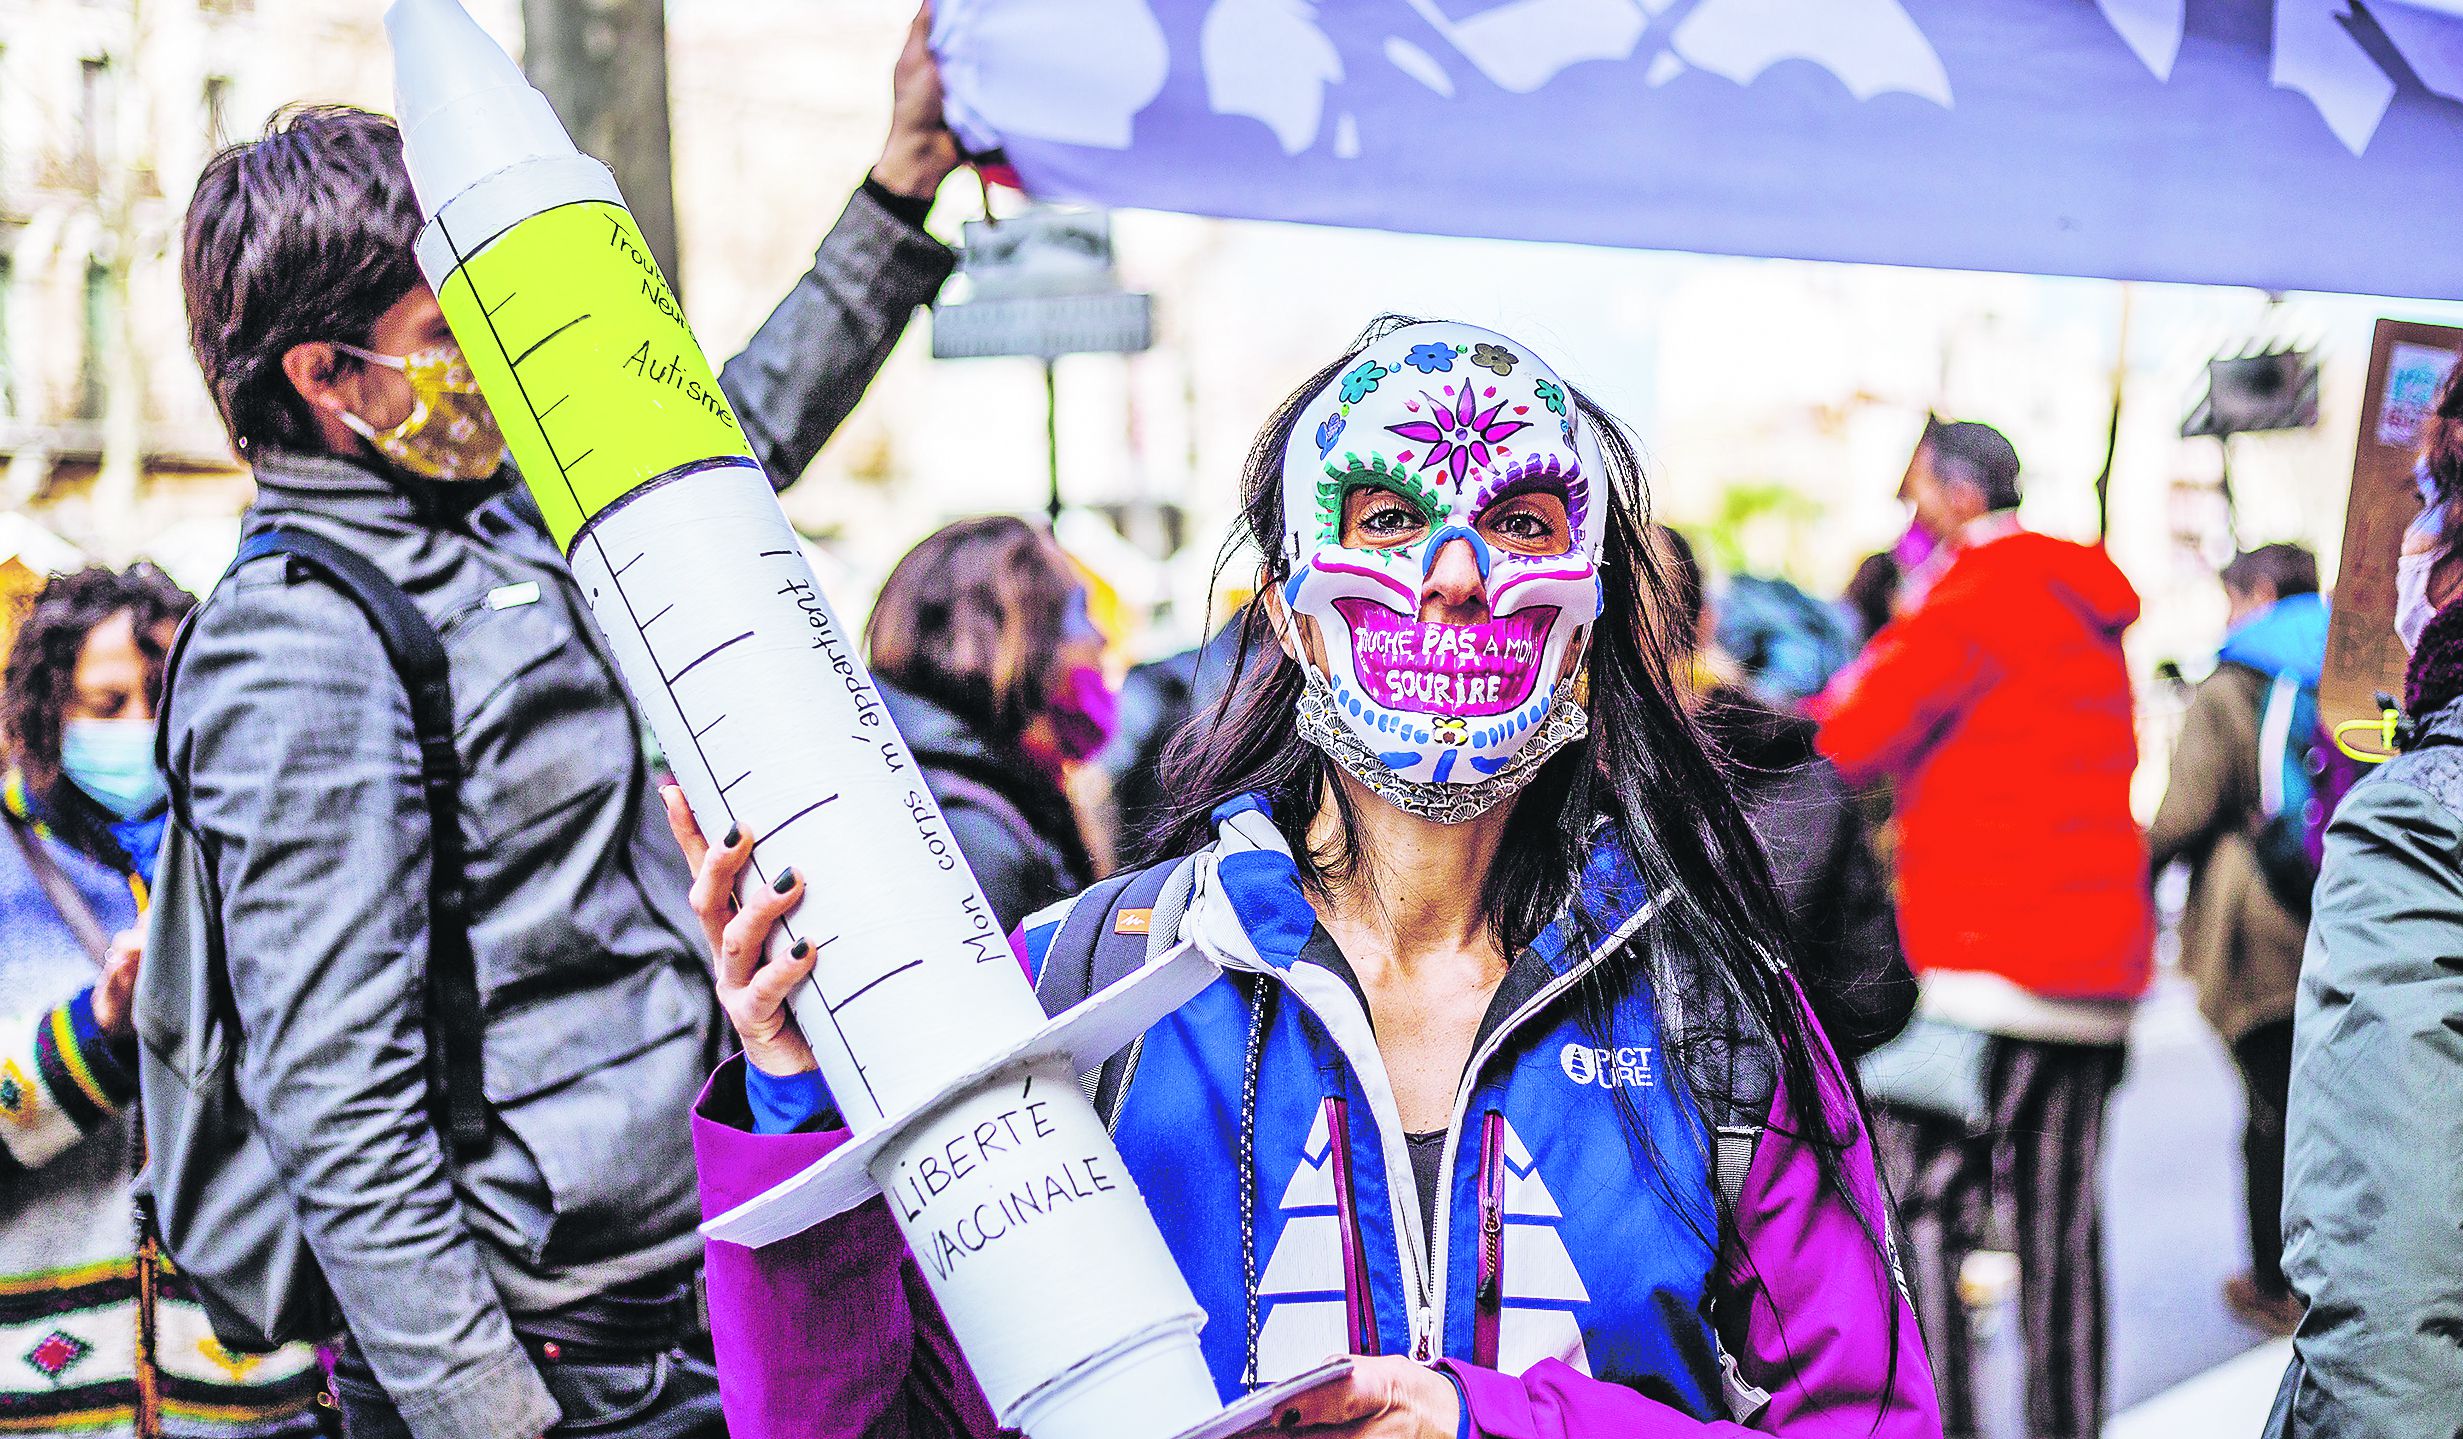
(1436, 435)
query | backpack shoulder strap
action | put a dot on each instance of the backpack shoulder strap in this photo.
(1068, 973)
(1112, 930)
(58, 888)
(1737, 1116)
(2276, 714)
(1733, 1072)
(1736, 1077)
(454, 1021)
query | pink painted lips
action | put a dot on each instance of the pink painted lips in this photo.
(1407, 665)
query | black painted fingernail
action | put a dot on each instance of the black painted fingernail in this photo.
(785, 880)
(734, 832)
(1290, 1417)
(802, 947)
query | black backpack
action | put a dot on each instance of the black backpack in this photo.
(213, 1190)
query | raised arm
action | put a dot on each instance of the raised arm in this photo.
(293, 743)
(804, 369)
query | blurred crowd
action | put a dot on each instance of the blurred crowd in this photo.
(277, 887)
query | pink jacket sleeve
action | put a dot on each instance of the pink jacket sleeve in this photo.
(831, 1334)
(1807, 1307)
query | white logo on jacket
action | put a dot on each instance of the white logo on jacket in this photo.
(1628, 1067)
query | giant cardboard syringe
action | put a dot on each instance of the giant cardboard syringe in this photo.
(963, 1099)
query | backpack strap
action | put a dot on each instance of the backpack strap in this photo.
(58, 888)
(1743, 1079)
(1108, 934)
(454, 1020)
(1738, 1114)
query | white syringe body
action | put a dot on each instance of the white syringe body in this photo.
(1028, 1227)
(1045, 1261)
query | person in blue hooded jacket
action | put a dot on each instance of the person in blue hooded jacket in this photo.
(2240, 942)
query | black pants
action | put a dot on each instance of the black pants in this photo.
(2264, 1056)
(2026, 1184)
(628, 1364)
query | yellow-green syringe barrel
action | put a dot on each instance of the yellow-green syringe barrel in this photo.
(584, 355)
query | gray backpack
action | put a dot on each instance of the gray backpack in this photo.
(212, 1187)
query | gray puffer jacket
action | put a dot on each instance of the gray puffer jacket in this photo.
(291, 738)
(2373, 1156)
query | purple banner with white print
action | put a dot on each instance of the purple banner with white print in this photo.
(2286, 144)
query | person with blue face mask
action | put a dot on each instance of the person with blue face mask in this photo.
(84, 808)
(78, 712)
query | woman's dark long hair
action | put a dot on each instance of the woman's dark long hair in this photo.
(1645, 770)
(40, 680)
(972, 618)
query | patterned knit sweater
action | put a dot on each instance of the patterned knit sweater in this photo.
(70, 1259)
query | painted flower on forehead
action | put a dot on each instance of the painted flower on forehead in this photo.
(1550, 394)
(1362, 381)
(1431, 359)
(1458, 433)
(1495, 358)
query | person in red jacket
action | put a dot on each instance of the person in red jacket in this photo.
(1998, 705)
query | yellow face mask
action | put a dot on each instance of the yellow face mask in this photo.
(450, 434)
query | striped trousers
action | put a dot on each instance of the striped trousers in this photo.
(2027, 1185)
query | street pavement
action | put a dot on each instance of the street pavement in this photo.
(2174, 1225)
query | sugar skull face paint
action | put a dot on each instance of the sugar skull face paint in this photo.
(1443, 435)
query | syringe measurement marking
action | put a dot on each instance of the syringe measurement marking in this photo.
(654, 619)
(873, 984)
(543, 339)
(787, 924)
(705, 654)
(461, 266)
(779, 828)
(775, 830)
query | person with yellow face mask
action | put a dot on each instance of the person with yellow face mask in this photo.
(539, 1280)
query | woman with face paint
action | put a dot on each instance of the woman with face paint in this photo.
(993, 673)
(2370, 1207)
(114, 1333)
(1507, 1088)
